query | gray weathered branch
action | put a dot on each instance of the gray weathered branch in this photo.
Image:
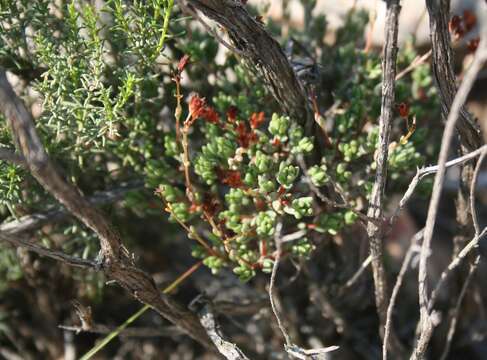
(429, 170)
(34, 221)
(376, 204)
(208, 320)
(43, 251)
(439, 15)
(427, 318)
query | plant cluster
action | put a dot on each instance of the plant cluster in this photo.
(254, 176)
(247, 171)
(120, 95)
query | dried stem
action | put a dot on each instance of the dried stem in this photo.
(429, 170)
(207, 318)
(442, 56)
(191, 233)
(35, 221)
(376, 205)
(413, 248)
(473, 209)
(471, 245)
(456, 310)
(426, 320)
(350, 282)
(272, 295)
(10, 156)
(418, 60)
(50, 253)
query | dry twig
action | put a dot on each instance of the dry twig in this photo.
(413, 248)
(429, 170)
(10, 156)
(35, 221)
(426, 319)
(473, 209)
(418, 60)
(207, 318)
(376, 205)
(43, 251)
(456, 310)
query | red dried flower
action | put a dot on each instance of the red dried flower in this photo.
(276, 142)
(210, 115)
(455, 21)
(473, 44)
(244, 136)
(456, 27)
(199, 109)
(232, 113)
(193, 208)
(197, 105)
(469, 19)
(260, 204)
(252, 137)
(256, 119)
(209, 205)
(182, 63)
(232, 178)
(403, 109)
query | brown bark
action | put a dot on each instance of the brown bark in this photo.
(262, 53)
(468, 129)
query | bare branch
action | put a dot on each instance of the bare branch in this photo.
(376, 204)
(205, 312)
(473, 210)
(292, 349)
(350, 282)
(453, 265)
(418, 60)
(192, 12)
(456, 310)
(10, 156)
(9, 355)
(30, 146)
(43, 251)
(429, 170)
(35, 221)
(272, 295)
(456, 108)
(413, 248)
(439, 15)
